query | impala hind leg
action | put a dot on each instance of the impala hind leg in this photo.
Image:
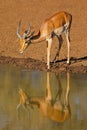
(49, 43)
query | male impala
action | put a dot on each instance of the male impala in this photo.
(54, 26)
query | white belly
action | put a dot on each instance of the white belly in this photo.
(60, 30)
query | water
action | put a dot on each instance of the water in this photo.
(63, 100)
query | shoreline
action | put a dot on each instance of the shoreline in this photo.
(78, 65)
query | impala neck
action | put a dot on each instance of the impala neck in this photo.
(37, 38)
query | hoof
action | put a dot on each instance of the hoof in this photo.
(53, 62)
(21, 52)
(48, 68)
(68, 63)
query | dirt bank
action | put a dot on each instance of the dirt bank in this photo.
(35, 12)
(78, 65)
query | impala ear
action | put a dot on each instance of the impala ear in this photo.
(25, 34)
(31, 35)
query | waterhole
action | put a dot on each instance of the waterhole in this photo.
(52, 101)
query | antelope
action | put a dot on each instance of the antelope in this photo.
(54, 26)
(56, 110)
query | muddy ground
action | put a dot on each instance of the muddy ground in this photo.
(35, 12)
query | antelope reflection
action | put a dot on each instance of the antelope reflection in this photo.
(54, 109)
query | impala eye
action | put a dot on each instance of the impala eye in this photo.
(26, 42)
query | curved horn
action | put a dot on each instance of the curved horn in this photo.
(18, 29)
(29, 29)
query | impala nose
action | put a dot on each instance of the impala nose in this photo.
(20, 51)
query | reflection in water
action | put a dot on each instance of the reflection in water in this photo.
(55, 110)
(35, 84)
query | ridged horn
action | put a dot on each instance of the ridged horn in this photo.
(18, 30)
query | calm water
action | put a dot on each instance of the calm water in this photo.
(64, 89)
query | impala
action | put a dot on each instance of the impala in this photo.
(54, 26)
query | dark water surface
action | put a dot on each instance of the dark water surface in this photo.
(63, 100)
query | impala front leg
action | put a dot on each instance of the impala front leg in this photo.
(68, 46)
(49, 43)
(58, 51)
